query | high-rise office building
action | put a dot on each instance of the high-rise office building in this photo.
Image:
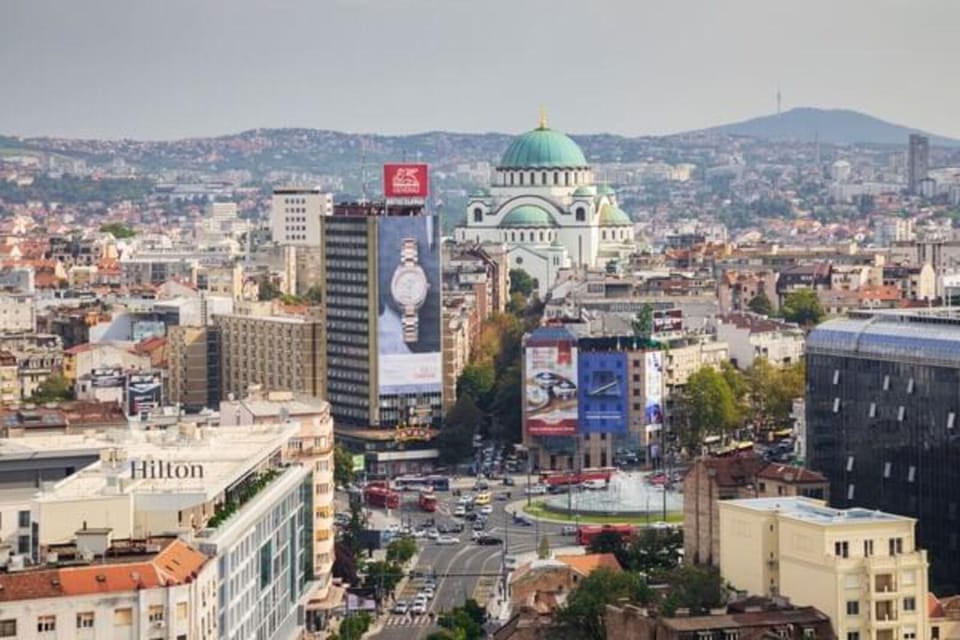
(881, 416)
(918, 161)
(295, 214)
(381, 295)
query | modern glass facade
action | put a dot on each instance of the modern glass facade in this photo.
(883, 393)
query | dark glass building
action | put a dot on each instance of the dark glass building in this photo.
(883, 394)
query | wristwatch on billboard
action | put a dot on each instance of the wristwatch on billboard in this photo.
(409, 289)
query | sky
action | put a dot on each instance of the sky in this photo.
(164, 69)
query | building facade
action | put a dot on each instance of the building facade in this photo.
(295, 215)
(918, 161)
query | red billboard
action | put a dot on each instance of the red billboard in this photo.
(405, 180)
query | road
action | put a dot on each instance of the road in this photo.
(467, 570)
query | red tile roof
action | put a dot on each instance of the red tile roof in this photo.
(587, 564)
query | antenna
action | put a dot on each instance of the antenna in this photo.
(363, 171)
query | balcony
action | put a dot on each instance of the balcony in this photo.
(884, 584)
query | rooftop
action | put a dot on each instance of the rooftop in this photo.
(816, 511)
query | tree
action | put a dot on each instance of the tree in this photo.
(455, 441)
(353, 627)
(803, 307)
(643, 322)
(344, 563)
(461, 623)
(314, 294)
(382, 576)
(543, 551)
(507, 405)
(772, 389)
(521, 282)
(709, 407)
(605, 542)
(761, 304)
(476, 380)
(268, 291)
(693, 587)
(118, 231)
(401, 549)
(343, 474)
(651, 550)
(53, 389)
(582, 617)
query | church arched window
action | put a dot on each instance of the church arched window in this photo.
(603, 234)
(556, 178)
(581, 214)
(521, 179)
(541, 236)
(543, 178)
(478, 215)
(566, 178)
(521, 236)
(511, 178)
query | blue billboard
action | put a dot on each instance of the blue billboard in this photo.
(602, 377)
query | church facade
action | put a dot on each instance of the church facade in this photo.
(545, 206)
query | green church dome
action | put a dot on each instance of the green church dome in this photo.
(528, 215)
(611, 216)
(606, 190)
(583, 192)
(543, 147)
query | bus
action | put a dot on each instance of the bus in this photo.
(561, 478)
(410, 483)
(427, 502)
(380, 496)
(586, 533)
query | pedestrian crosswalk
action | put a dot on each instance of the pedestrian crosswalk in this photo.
(395, 620)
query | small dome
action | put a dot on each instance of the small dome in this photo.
(583, 192)
(543, 147)
(528, 215)
(480, 193)
(606, 190)
(611, 216)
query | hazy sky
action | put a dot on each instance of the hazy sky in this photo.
(176, 68)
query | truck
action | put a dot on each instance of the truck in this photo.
(586, 533)
(380, 496)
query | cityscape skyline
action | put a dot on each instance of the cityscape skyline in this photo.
(143, 72)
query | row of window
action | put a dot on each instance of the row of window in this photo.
(841, 548)
(122, 617)
(517, 178)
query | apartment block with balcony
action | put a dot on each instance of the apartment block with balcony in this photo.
(860, 567)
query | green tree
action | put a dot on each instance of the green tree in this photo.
(343, 474)
(694, 587)
(401, 550)
(605, 542)
(643, 322)
(521, 282)
(772, 390)
(118, 231)
(761, 304)
(708, 405)
(268, 291)
(651, 550)
(582, 617)
(455, 440)
(543, 550)
(53, 389)
(507, 405)
(461, 623)
(353, 627)
(382, 576)
(314, 294)
(803, 307)
(477, 380)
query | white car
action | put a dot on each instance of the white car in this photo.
(594, 484)
(433, 534)
(393, 528)
(447, 540)
(460, 511)
(537, 490)
(400, 608)
(426, 594)
(418, 608)
(486, 510)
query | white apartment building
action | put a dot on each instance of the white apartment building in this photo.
(750, 336)
(17, 315)
(295, 214)
(860, 567)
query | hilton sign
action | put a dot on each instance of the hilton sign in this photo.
(165, 470)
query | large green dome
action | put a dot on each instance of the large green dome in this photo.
(528, 215)
(611, 216)
(543, 147)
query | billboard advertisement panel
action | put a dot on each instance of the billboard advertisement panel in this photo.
(408, 325)
(405, 180)
(603, 391)
(144, 392)
(653, 391)
(148, 328)
(550, 389)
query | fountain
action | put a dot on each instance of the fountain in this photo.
(628, 494)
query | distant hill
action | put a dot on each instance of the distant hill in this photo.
(840, 126)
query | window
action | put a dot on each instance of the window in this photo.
(887, 466)
(853, 607)
(581, 214)
(836, 376)
(841, 549)
(85, 620)
(836, 405)
(900, 412)
(951, 418)
(896, 546)
(911, 474)
(182, 611)
(23, 519)
(8, 628)
(123, 617)
(478, 215)
(155, 613)
(849, 463)
(873, 410)
(935, 633)
(909, 634)
(910, 386)
(867, 548)
(886, 383)
(46, 623)
(909, 604)
(853, 635)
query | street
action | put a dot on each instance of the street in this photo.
(467, 570)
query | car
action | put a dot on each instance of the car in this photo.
(568, 530)
(455, 527)
(481, 485)
(426, 593)
(523, 521)
(473, 515)
(479, 525)
(433, 534)
(594, 485)
(508, 481)
(460, 511)
(445, 540)
(488, 541)
(536, 490)
(465, 500)
(429, 583)
(502, 497)
(486, 510)
(393, 528)
(419, 533)
(400, 607)
(418, 608)
(510, 562)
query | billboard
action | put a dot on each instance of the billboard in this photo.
(405, 180)
(148, 329)
(144, 392)
(408, 324)
(653, 390)
(550, 388)
(603, 391)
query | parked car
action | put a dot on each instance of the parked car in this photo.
(508, 481)
(522, 520)
(400, 607)
(536, 490)
(486, 510)
(447, 540)
(460, 511)
(568, 530)
(489, 541)
(433, 534)
(479, 525)
(418, 608)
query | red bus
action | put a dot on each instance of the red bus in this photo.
(378, 496)
(427, 502)
(586, 533)
(560, 478)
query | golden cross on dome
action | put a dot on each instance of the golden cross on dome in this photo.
(543, 117)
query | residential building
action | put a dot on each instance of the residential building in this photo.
(295, 215)
(860, 567)
(84, 359)
(881, 413)
(918, 161)
(750, 336)
(543, 585)
(915, 282)
(713, 479)
(159, 587)
(194, 366)
(281, 352)
(944, 615)
(38, 356)
(17, 315)
(155, 270)
(9, 379)
(737, 289)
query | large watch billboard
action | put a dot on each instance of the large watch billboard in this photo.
(603, 391)
(408, 324)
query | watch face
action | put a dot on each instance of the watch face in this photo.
(409, 286)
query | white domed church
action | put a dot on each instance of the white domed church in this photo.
(544, 205)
